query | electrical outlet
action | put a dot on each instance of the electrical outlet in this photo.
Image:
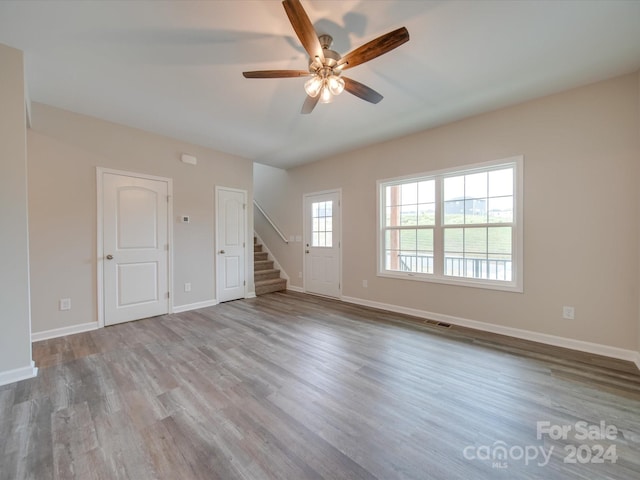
(568, 313)
(365, 283)
(64, 304)
(187, 287)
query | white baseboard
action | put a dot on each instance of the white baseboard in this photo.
(18, 374)
(61, 332)
(250, 295)
(86, 327)
(595, 348)
(194, 306)
(293, 288)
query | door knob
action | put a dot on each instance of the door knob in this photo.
(222, 252)
(109, 257)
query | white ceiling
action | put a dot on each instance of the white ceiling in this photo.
(175, 67)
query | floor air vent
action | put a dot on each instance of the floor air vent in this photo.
(437, 324)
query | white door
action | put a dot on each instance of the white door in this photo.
(230, 232)
(322, 243)
(135, 247)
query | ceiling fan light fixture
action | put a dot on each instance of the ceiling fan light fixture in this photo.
(314, 85)
(336, 84)
(325, 95)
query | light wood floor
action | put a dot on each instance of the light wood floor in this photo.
(290, 386)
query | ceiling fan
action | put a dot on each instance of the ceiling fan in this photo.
(326, 65)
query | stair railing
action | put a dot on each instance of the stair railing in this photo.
(268, 218)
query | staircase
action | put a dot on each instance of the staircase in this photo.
(267, 279)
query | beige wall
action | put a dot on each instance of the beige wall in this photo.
(64, 150)
(581, 212)
(15, 343)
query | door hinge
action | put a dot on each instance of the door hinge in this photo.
(168, 198)
(243, 245)
(244, 283)
(168, 294)
(244, 206)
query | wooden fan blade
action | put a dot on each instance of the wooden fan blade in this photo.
(276, 74)
(309, 104)
(374, 48)
(303, 28)
(362, 91)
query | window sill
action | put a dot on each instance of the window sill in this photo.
(456, 281)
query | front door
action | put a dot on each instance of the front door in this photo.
(230, 232)
(135, 253)
(322, 243)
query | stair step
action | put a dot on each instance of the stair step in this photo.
(260, 256)
(266, 274)
(272, 285)
(266, 278)
(262, 265)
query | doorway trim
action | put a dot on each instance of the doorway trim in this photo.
(305, 239)
(100, 171)
(247, 259)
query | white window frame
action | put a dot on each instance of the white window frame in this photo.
(516, 283)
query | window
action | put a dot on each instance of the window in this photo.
(322, 224)
(409, 224)
(461, 226)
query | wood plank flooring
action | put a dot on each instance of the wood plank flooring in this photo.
(291, 386)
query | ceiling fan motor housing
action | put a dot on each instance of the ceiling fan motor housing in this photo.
(331, 57)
